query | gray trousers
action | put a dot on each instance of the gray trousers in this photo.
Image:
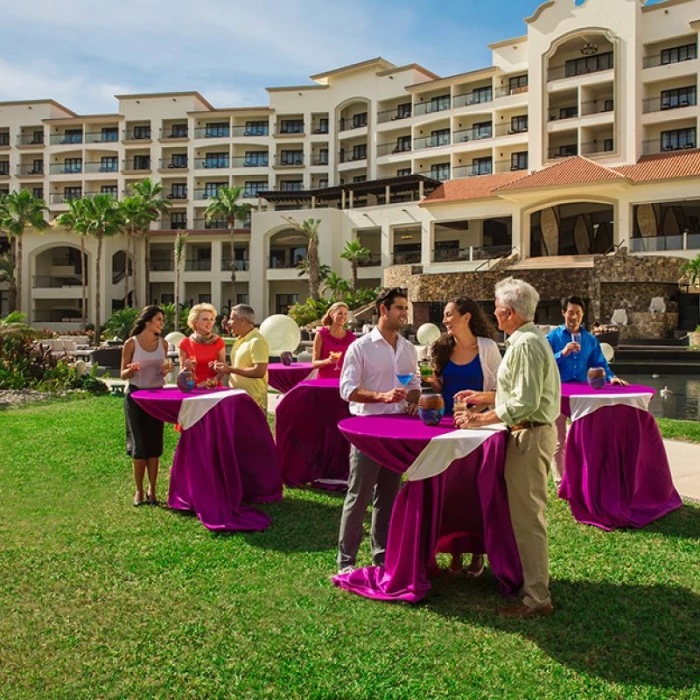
(367, 481)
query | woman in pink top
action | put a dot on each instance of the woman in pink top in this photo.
(331, 342)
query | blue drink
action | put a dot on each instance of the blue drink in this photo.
(405, 378)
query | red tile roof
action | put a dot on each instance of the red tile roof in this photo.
(477, 187)
(664, 166)
(575, 170)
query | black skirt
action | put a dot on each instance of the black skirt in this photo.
(144, 433)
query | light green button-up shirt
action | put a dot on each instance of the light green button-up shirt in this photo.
(529, 387)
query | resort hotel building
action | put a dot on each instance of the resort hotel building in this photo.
(570, 161)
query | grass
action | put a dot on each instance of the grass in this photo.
(103, 600)
(685, 430)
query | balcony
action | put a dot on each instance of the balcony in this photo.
(352, 157)
(597, 106)
(206, 193)
(290, 129)
(211, 163)
(36, 139)
(654, 146)
(319, 128)
(30, 169)
(138, 134)
(58, 198)
(563, 151)
(65, 139)
(473, 170)
(578, 67)
(474, 134)
(667, 57)
(210, 224)
(134, 165)
(384, 149)
(255, 192)
(250, 162)
(288, 161)
(198, 265)
(510, 129)
(511, 166)
(562, 113)
(440, 105)
(250, 130)
(442, 174)
(178, 195)
(507, 91)
(56, 281)
(470, 253)
(179, 132)
(593, 148)
(652, 244)
(476, 97)
(390, 115)
(173, 225)
(65, 168)
(661, 104)
(4, 140)
(170, 164)
(434, 141)
(102, 136)
(212, 132)
(405, 257)
(5, 169)
(349, 123)
(111, 166)
(319, 159)
(240, 265)
(162, 265)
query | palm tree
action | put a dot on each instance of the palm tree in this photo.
(18, 211)
(309, 227)
(336, 285)
(74, 220)
(7, 274)
(140, 209)
(102, 218)
(224, 205)
(179, 254)
(356, 253)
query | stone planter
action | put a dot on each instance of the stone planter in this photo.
(694, 338)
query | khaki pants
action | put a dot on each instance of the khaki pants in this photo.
(528, 455)
(560, 451)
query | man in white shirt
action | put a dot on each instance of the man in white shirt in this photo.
(369, 382)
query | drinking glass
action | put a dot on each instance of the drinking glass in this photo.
(576, 338)
(404, 378)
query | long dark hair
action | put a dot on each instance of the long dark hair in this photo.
(442, 348)
(148, 313)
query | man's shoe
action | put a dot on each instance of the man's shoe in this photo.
(346, 570)
(523, 612)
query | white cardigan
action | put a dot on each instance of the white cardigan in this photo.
(490, 359)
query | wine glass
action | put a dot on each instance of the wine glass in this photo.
(404, 378)
(576, 338)
(335, 356)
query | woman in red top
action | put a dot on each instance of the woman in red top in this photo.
(331, 342)
(203, 348)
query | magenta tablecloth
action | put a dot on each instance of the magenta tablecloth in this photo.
(467, 501)
(309, 444)
(617, 472)
(224, 460)
(283, 377)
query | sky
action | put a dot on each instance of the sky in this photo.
(82, 53)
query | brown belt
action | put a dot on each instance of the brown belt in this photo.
(528, 425)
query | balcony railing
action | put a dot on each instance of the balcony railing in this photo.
(389, 115)
(176, 195)
(597, 106)
(211, 163)
(406, 257)
(319, 128)
(441, 105)
(351, 157)
(212, 132)
(290, 161)
(510, 166)
(131, 164)
(290, 130)
(278, 264)
(561, 113)
(477, 97)
(160, 265)
(30, 140)
(472, 170)
(5, 169)
(654, 146)
(137, 135)
(682, 241)
(507, 91)
(319, 159)
(563, 151)
(171, 133)
(102, 167)
(509, 129)
(431, 142)
(442, 174)
(582, 66)
(661, 104)
(65, 168)
(173, 225)
(471, 253)
(473, 134)
(56, 281)
(240, 265)
(197, 265)
(102, 137)
(384, 149)
(213, 224)
(30, 169)
(680, 55)
(250, 130)
(62, 198)
(165, 163)
(64, 139)
(255, 191)
(248, 162)
(600, 146)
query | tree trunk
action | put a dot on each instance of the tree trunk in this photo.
(147, 268)
(353, 262)
(126, 270)
(11, 296)
(83, 283)
(312, 258)
(98, 289)
(134, 271)
(233, 267)
(18, 275)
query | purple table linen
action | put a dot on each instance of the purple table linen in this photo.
(467, 501)
(224, 460)
(309, 444)
(617, 472)
(284, 378)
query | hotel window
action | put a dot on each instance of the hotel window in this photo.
(677, 139)
(439, 137)
(292, 157)
(284, 301)
(440, 171)
(322, 126)
(292, 126)
(178, 160)
(403, 143)
(608, 145)
(589, 64)
(517, 83)
(359, 152)
(243, 298)
(252, 188)
(109, 164)
(179, 131)
(37, 167)
(518, 161)
(483, 130)
(178, 220)
(37, 137)
(570, 149)
(216, 160)
(291, 185)
(72, 193)
(256, 158)
(178, 191)
(403, 172)
(322, 182)
(568, 112)
(73, 136)
(211, 189)
(72, 165)
(38, 192)
(438, 104)
(359, 178)
(518, 124)
(482, 166)
(679, 53)
(321, 157)
(403, 110)
(216, 130)
(359, 120)
(5, 139)
(109, 133)
(258, 128)
(142, 162)
(483, 94)
(142, 132)
(681, 97)
(5, 167)
(112, 190)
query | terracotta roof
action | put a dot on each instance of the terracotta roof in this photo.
(478, 187)
(664, 166)
(575, 170)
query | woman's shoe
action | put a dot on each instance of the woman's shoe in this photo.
(476, 566)
(138, 501)
(152, 500)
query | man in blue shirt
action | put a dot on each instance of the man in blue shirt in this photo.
(575, 350)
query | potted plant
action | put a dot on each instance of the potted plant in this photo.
(694, 337)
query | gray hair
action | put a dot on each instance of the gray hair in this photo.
(519, 296)
(245, 311)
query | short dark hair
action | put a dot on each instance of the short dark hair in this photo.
(578, 301)
(388, 296)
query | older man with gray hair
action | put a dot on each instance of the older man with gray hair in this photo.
(527, 400)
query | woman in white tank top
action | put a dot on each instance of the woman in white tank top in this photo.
(144, 365)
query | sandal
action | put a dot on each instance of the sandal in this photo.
(476, 566)
(152, 500)
(139, 501)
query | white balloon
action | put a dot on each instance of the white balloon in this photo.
(427, 333)
(608, 351)
(281, 333)
(175, 338)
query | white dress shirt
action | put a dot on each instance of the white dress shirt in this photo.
(371, 363)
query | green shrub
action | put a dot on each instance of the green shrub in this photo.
(120, 323)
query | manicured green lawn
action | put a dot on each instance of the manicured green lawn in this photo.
(686, 430)
(102, 600)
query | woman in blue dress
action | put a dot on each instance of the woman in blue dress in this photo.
(465, 357)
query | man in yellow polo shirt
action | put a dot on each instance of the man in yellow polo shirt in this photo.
(250, 355)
